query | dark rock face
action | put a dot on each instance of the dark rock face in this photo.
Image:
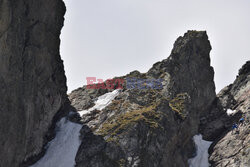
(32, 80)
(215, 121)
(232, 149)
(152, 127)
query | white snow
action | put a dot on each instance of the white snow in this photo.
(62, 149)
(201, 158)
(102, 102)
(231, 112)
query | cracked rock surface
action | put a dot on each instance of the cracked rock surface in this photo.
(232, 149)
(32, 81)
(151, 127)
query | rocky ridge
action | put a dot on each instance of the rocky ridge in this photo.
(232, 149)
(151, 127)
(141, 127)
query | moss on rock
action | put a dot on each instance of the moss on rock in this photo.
(116, 126)
(178, 104)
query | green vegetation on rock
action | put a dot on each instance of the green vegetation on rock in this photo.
(121, 162)
(116, 126)
(178, 104)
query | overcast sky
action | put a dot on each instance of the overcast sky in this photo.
(107, 38)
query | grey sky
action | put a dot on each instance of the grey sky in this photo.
(107, 38)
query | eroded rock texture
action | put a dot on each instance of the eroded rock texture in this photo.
(151, 127)
(32, 81)
(232, 149)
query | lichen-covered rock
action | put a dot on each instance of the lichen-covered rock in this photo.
(232, 149)
(152, 127)
(83, 98)
(32, 81)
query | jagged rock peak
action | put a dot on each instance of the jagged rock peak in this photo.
(151, 127)
(198, 38)
(245, 68)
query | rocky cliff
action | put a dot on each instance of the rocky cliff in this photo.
(32, 81)
(144, 127)
(151, 127)
(230, 148)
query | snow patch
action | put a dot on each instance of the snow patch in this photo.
(102, 102)
(201, 158)
(62, 149)
(231, 112)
